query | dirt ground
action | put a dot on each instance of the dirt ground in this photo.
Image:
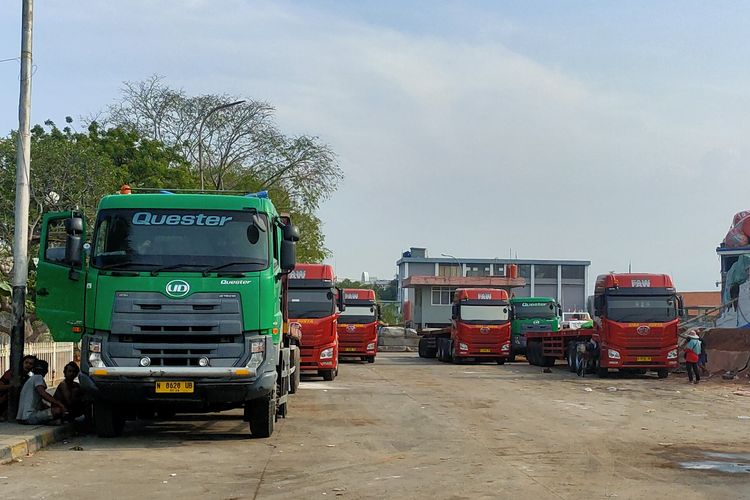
(405, 427)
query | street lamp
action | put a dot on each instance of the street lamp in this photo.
(200, 135)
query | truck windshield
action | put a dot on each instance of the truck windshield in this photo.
(357, 314)
(484, 313)
(534, 310)
(183, 240)
(310, 303)
(641, 309)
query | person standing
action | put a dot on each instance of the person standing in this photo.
(692, 356)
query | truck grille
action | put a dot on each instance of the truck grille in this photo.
(176, 332)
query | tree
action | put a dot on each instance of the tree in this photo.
(237, 147)
(75, 169)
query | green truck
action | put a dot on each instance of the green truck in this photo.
(178, 302)
(538, 314)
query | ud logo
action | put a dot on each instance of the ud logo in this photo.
(178, 288)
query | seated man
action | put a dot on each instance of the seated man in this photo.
(69, 392)
(28, 364)
(31, 407)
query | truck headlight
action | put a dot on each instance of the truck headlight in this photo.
(612, 354)
(506, 346)
(371, 346)
(463, 346)
(95, 356)
(257, 349)
(672, 354)
(326, 353)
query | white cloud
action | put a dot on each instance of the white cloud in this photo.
(460, 145)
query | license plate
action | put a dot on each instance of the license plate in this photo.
(485, 350)
(175, 387)
(350, 349)
(643, 358)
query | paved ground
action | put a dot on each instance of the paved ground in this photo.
(412, 428)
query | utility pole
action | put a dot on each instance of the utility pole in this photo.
(21, 236)
(200, 136)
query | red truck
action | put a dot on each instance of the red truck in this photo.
(314, 305)
(358, 325)
(635, 328)
(480, 328)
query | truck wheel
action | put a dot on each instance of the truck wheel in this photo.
(108, 420)
(430, 351)
(295, 379)
(422, 348)
(602, 372)
(370, 359)
(328, 375)
(531, 353)
(261, 415)
(662, 373)
(500, 361)
(512, 358)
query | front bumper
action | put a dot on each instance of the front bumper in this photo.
(123, 386)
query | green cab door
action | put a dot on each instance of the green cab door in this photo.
(60, 276)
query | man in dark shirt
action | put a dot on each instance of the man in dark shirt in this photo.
(69, 392)
(28, 364)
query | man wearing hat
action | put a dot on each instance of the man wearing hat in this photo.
(692, 355)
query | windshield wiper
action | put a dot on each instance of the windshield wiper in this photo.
(168, 267)
(127, 263)
(212, 269)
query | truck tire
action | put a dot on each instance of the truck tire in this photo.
(261, 415)
(662, 373)
(571, 358)
(602, 372)
(531, 353)
(108, 420)
(500, 361)
(295, 378)
(370, 359)
(328, 375)
(422, 348)
(512, 358)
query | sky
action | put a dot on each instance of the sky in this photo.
(615, 132)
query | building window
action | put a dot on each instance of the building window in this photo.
(442, 295)
(476, 270)
(524, 271)
(499, 270)
(545, 271)
(449, 270)
(574, 272)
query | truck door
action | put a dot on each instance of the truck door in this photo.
(60, 276)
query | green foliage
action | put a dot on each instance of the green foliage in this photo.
(390, 315)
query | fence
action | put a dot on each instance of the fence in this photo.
(57, 354)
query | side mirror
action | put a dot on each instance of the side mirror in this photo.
(680, 307)
(378, 311)
(291, 233)
(455, 311)
(288, 255)
(73, 253)
(74, 242)
(340, 302)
